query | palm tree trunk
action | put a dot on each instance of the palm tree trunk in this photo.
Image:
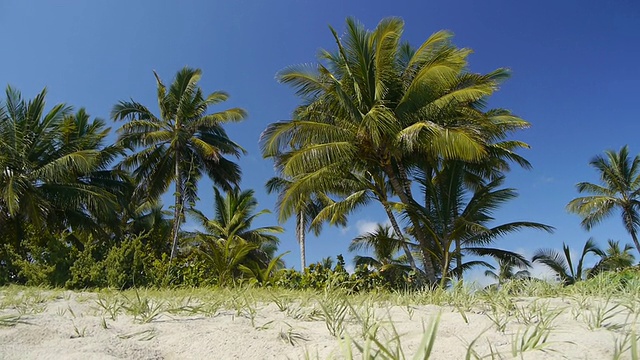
(177, 210)
(405, 247)
(459, 259)
(445, 264)
(422, 239)
(635, 240)
(300, 234)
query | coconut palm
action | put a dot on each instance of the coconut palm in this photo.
(54, 167)
(231, 227)
(181, 144)
(385, 247)
(619, 189)
(457, 218)
(613, 258)
(507, 270)
(376, 101)
(562, 264)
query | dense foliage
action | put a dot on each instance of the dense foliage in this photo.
(379, 122)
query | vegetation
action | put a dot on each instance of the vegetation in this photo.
(525, 315)
(619, 190)
(379, 122)
(180, 145)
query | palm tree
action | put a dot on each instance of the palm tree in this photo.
(457, 218)
(619, 189)
(613, 258)
(385, 246)
(181, 144)
(54, 167)
(375, 102)
(562, 264)
(306, 210)
(230, 232)
(506, 272)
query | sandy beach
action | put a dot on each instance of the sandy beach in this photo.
(47, 324)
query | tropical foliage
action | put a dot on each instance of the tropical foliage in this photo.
(619, 189)
(562, 263)
(385, 246)
(181, 144)
(507, 271)
(379, 122)
(613, 258)
(378, 107)
(228, 244)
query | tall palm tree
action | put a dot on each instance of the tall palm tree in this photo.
(613, 258)
(54, 166)
(181, 144)
(231, 226)
(562, 264)
(376, 101)
(619, 189)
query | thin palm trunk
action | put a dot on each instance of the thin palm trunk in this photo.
(629, 223)
(405, 247)
(300, 233)
(458, 250)
(445, 263)
(459, 258)
(422, 239)
(635, 239)
(177, 210)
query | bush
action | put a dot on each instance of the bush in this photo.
(320, 277)
(41, 259)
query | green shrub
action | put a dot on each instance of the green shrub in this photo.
(319, 277)
(42, 259)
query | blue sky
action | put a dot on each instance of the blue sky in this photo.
(575, 68)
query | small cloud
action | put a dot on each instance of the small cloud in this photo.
(544, 180)
(365, 226)
(345, 230)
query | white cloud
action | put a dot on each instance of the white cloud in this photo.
(365, 226)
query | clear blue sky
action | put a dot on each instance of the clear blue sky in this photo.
(575, 65)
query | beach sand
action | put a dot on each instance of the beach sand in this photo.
(74, 325)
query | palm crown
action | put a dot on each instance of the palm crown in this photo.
(376, 103)
(619, 189)
(181, 144)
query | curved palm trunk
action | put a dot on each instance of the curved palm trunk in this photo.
(444, 268)
(459, 258)
(405, 247)
(635, 240)
(300, 234)
(404, 192)
(627, 217)
(177, 211)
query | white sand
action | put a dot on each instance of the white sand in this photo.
(71, 327)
